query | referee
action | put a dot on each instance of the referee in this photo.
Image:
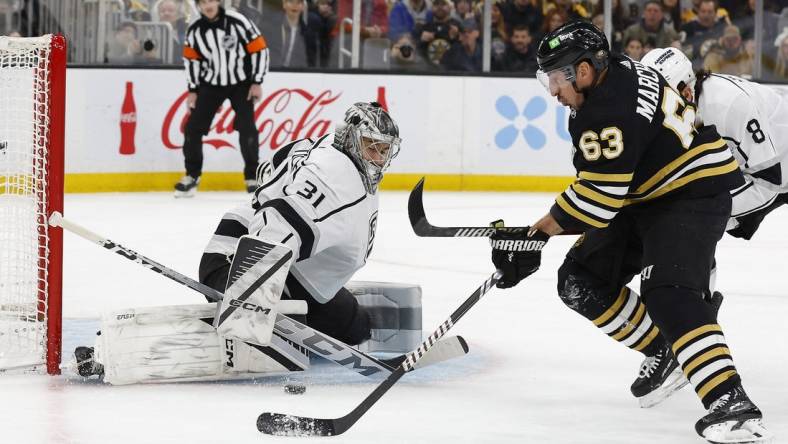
(225, 58)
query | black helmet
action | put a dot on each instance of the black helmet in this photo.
(572, 43)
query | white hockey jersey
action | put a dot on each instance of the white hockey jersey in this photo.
(752, 118)
(314, 201)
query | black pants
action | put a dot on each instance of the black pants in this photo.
(671, 244)
(209, 98)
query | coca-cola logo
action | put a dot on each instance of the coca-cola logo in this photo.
(128, 117)
(285, 115)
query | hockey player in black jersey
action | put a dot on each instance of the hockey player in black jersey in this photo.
(651, 197)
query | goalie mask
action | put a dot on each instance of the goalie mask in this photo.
(369, 136)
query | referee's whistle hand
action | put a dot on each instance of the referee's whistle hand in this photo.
(191, 100)
(255, 92)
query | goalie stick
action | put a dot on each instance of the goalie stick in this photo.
(292, 425)
(285, 327)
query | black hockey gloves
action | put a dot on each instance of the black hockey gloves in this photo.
(517, 255)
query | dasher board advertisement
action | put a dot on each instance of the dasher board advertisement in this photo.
(126, 127)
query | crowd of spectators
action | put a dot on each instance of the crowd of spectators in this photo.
(447, 35)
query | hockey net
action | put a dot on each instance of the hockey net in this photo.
(32, 107)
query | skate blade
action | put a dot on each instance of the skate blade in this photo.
(750, 431)
(675, 382)
(185, 194)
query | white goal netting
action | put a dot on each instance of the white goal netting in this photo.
(24, 234)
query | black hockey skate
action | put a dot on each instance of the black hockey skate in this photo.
(660, 375)
(187, 186)
(733, 418)
(86, 366)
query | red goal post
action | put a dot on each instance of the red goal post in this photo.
(32, 139)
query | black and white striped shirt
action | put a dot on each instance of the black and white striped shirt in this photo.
(225, 51)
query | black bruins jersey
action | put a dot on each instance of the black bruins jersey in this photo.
(634, 141)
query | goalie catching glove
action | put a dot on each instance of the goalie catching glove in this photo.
(517, 255)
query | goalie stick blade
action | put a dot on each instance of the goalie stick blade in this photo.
(423, 228)
(279, 424)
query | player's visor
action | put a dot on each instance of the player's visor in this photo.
(553, 80)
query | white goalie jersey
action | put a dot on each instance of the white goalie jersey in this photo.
(752, 119)
(311, 199)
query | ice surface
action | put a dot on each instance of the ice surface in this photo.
(537, 372)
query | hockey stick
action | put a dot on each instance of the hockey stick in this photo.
(423, 228)
(285, 327)
(282, 424)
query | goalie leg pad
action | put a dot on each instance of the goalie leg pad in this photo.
(178, 343)
(395, 315)
(254, 286)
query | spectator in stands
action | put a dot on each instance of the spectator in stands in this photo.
(520, 54)
(522, 12)
(650, 44)
(124, 47)
(652, 24)
(499, 37)
(671, 13)
(781, 65)
(168, 13)
(249, 9)
(692, 13)
(319, 33)
(620, 15)
(553, 19)
(406, 15)
(572, 8)
(729, 55)
(404, 55)
(286, 43)
(137, 10)
(463, 10)
(437, 35)
(374, 17)
(746, 23)
(621, 22)
(465, 54)
(634, 48)
(703, 32)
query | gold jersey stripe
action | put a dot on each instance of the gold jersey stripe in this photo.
(602, 177)
(717, 380)
(681, 160)
(632, 324)
(578, 215)
(596, 196)
(622, 297)
(713, 353)
(648, 339)
(694, 334)
(678, 183)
